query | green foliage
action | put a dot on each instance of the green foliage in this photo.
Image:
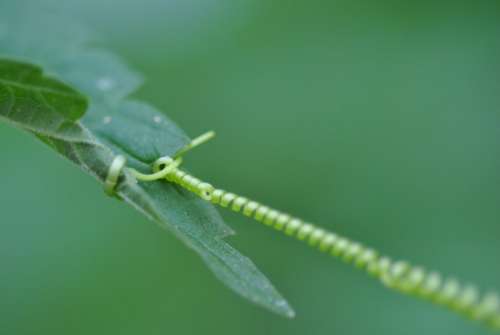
(113, 125)
(25, 90)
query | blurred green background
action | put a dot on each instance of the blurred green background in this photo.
(378, 120)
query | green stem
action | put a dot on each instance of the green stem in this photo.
(397, 275)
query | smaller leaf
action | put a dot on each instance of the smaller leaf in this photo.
(25, 85)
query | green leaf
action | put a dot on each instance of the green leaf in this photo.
(112, 125)
(49, 105)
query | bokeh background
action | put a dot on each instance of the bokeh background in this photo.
(379, 120)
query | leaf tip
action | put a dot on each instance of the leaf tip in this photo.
(284, 309)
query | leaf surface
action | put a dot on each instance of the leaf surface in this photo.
(91, 127)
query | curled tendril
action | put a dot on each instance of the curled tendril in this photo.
(114, 172)
(401, 276)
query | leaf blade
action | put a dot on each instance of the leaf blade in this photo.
(92, 142)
